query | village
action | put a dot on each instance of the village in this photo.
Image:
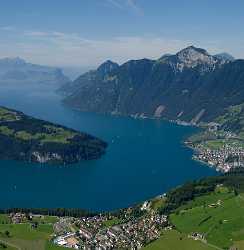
(138, 227)
(223, 150)
(223, 159)
(106, 232)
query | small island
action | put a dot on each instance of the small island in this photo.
(25, 138)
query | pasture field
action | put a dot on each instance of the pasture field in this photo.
(24, 237)
(219, 217)
(173, 240)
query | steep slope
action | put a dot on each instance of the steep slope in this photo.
(233, 120)
(220, 89)
(17, 70)
(191, 85)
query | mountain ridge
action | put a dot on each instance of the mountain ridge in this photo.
(18, 70)
(185, 86)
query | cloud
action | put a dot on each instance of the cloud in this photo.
(72, 49)
(36, 33)
(57, 48)
(126, 4)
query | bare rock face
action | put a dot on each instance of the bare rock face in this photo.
(198, 116)
(159, 111)
(192, 57)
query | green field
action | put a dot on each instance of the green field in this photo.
(50, 246)
(215, 144)
(23, 237)
(7, 115)
(45, 219)
(4, 245)
(220, 143)
(4, 219)
(112, 222)
(157, 203)
(173, 240)
(6, 131)
(52, 134)
(239, 245)
(222, 223)
(59, 135)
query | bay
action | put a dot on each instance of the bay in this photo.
(145, 158)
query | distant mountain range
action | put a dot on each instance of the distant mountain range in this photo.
(191, 86)
(17, 70)
(72, 72)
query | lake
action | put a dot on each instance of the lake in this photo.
(145, 158)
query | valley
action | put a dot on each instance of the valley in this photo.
(115, 184)
(121, 125)
(191, 87)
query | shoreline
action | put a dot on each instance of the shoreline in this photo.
(195, 158)
(153, 118)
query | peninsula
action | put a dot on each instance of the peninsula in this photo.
(28, 139)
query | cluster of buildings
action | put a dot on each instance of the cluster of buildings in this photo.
(224, 159)
(68, 240)
(17, 218)
(214, 205)
(197, 236)
(94, 233)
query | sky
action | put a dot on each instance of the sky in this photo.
(88, 32)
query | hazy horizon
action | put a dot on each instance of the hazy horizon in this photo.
(90, 67)
(86, 33)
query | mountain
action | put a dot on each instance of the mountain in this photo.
(93, 76)
(225, 56)
(192, 57)
(191, 86)
(25, 138)
(17, 70)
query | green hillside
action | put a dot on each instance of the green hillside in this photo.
(28, 139)
(173, 240)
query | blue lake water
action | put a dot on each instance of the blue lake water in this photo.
(145, 158)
